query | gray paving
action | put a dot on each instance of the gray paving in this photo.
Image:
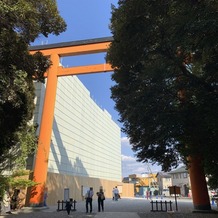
(124, 208)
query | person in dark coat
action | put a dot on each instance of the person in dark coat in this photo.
(101, 199)
(68, 206)
(88, 198)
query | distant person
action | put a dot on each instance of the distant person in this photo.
(88, 197)
(45, 198)
(7, 202)
(116, 193)
(147, 194)
(150, 194)
(69, 205)
(113, 194)
(101, 199)
(15, 199)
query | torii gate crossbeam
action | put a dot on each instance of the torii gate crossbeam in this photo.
(55, 52)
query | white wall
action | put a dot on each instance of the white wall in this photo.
(85, 140)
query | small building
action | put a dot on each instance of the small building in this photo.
(164, 180)
(180, 177)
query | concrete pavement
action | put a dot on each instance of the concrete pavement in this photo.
(123, 208)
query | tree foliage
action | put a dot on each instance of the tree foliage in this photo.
(16, 157)
(21, 22)
(165, 58)
(17, 180)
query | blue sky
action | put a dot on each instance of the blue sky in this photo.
(86, 20)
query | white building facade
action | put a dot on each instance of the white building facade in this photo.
(180, 177)
(85, 141)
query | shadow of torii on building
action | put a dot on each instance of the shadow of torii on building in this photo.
(55, 52)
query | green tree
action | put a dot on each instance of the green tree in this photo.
(15, 181)
(14, 161)
(21, 22)
(16, 157)
(164, 56)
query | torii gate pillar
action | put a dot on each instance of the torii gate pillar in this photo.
(199, 190)
(41, 161)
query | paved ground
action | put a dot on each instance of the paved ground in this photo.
(124, 208)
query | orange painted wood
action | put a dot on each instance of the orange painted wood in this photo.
(43, 149)
(97, 68)
(76, 50)
(199, 190)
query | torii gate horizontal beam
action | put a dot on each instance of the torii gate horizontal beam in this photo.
(72, 44)
(74, 48)
(97, 68)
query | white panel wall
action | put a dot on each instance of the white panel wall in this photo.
(39, 100)
(85, 140)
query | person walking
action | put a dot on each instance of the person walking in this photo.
(89, 196)
(101, 199)
(7, 202)
(14, 199)
(69, 205)
(147, 194)
(45, 198)
(150, 194)
(116, 193)
(113, 194)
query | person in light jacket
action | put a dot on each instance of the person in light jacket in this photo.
(7, 202)
(88, 198)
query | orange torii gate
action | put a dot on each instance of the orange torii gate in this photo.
(55, 52)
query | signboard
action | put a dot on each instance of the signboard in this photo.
(175, 190)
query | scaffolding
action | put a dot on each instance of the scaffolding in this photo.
(154, 182)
